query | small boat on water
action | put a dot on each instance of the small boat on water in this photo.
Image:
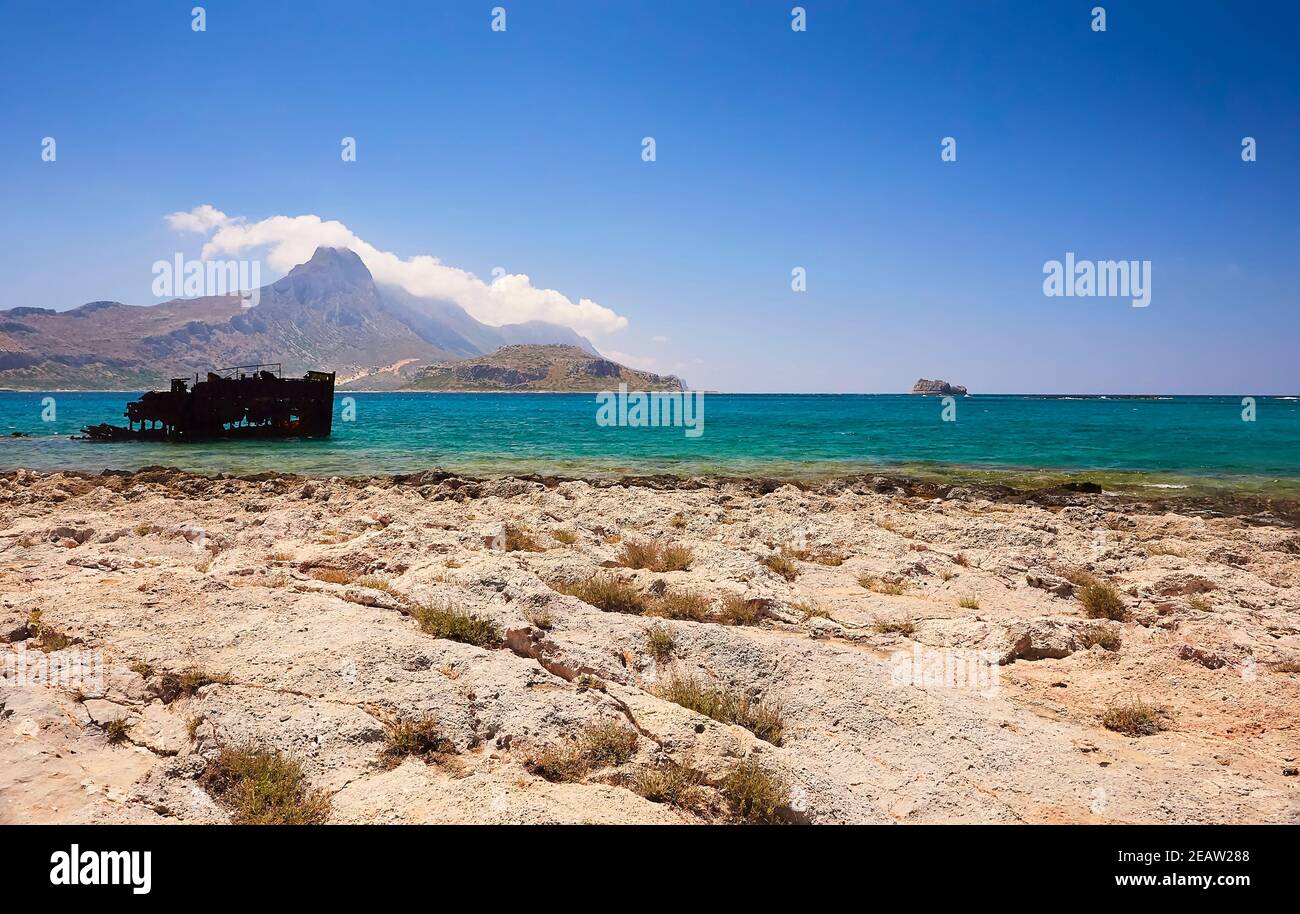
(246, 401)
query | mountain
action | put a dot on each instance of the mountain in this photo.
(327, 313)
(538, 367)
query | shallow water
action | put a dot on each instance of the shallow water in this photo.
(1200, 442)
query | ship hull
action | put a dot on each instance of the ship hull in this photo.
(244, 405)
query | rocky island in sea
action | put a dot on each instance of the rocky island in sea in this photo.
(942, 388)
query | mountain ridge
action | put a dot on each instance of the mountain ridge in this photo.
(327, 313)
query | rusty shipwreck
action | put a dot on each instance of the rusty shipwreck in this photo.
(246, 401)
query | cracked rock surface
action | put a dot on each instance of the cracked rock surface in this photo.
(930, 657)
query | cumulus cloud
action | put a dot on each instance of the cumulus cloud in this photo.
(291, 240)
(201, 219)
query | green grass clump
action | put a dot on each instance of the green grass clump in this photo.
(762, 719)
(455, 625)
(263, 787)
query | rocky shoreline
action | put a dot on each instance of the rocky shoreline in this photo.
(439, 648)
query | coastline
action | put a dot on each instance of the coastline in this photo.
(1049, 490)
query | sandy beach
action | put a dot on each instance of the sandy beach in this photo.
(864, 650)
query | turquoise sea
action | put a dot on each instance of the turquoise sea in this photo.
(1179, 441)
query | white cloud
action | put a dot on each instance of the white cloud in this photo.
(291, 240)
(201, 219)
(644, 363)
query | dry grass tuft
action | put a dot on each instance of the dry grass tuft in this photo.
(653, 557)
(761, 719)
(454, 625)
(1200, 603)
(567, 537)
(1287, 666)
(171, 686)
(334, 575)
(559, 763)
(753, 794)
(539, 617)
(1132, 718)
(736, 610)
(1102, 635)
(903, 627)
(811, 610)
(969, 603)
(520, 539)
(677, 521)
(881, 586)
(418, 736)
(1101, 600)
(672, 783)
(608, 743)
(50, 639)
(660, 643)
(116, 730)
(608, 593)
(263, 787)
(681, 605)
(375, 582)
(585, 681)
(782, 565)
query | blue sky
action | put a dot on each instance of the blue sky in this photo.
(775, 149)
